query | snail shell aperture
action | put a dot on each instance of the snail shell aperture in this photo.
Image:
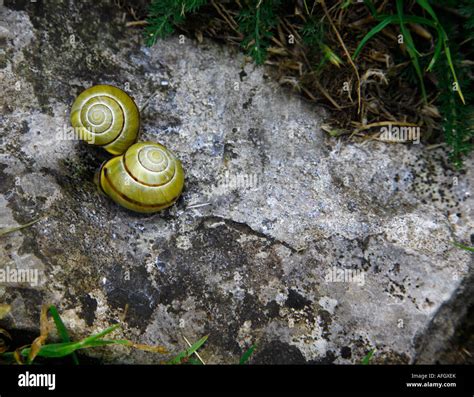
(106, 116)
(146, 178)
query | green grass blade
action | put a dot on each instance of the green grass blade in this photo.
(464, 247)
(437, 54)
(447, 52)
(409, 19)
(62, 330)
(106, 331)
(346, 4)
(444, 40)
(193, 361)
(64, 349)
(330, 55)
(188, 352)
(367, 358)
(424, 4)
(387, 20)
(411, 49)
(245, 357)
(405, 32)
(58, 350)
(106, 342)
(9, 230)
(382, 25)
(54, 350)
(419, 20)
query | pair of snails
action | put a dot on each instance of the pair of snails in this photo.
(144, 176)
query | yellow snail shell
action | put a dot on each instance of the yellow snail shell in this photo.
(106, 116)
(146, 178)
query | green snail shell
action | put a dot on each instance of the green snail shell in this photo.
(106, 116)
(146, 178)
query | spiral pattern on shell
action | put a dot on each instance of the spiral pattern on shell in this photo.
(146, 178)
(106, 116)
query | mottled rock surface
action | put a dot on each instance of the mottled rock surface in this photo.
(272, 208)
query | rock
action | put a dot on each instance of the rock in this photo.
(273, 214)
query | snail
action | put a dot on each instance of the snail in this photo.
(146, 178)
(106, 116)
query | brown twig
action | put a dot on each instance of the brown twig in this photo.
(325, 93)
(136, 23)
(385, 123)
(228, 18)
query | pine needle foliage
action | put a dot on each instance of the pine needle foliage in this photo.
(256, 22)
(164, 15)
(458, 119)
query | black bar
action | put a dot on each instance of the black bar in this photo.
(245, 379)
